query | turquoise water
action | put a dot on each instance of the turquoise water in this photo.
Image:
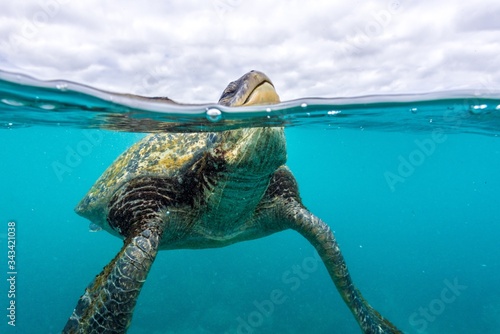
(408, 183)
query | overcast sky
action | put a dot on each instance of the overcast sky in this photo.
(190, 50)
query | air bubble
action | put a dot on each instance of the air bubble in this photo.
(477, 109)
(333, 112)
(12, 102)
(213, 114)
(48, 106)
(413, 110)
(268, 109)
(62, 87)
(94, 228)
(304, 105)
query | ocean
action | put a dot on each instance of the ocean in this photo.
(409, 185)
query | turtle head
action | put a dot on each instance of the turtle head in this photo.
(252, 150)
(253, 88)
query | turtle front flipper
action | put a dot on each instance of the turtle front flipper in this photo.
(108, 302)
(321, 237)
(138, 212)
(290, 213)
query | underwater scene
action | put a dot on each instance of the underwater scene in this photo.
(409, 184)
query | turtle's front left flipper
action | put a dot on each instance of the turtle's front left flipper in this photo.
(321, 237)
(108, 302)
(289, 212)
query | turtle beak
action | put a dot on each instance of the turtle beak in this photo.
(262, 94)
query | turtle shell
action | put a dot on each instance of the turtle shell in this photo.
(161, 155)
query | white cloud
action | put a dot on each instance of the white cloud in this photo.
(189, 50)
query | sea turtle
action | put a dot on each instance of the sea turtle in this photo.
(201, 190)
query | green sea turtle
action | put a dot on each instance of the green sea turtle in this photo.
(201, 190)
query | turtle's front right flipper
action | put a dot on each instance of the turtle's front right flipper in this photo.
(137, 211)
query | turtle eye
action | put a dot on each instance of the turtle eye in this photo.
(229, 91)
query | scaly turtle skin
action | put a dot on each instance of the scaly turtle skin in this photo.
(200, 190)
